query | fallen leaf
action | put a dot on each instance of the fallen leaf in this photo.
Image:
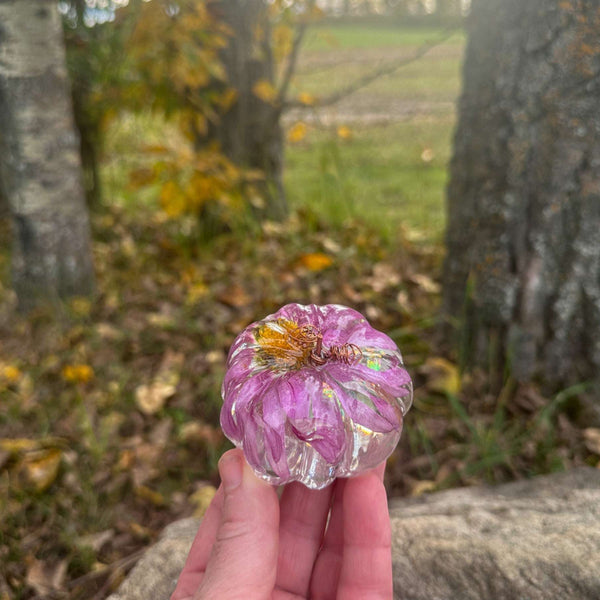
(9, 374)
(422, 487)
(443, 376)
(95, 541)
(44, 577)
(297, 132)
(145, 493)
(384, 277)
(344, 132)
(201, 499)
(77, 373)
(315, 261)
(235, 295)
(427, 155)
(591, 438)
(139, 531)
(426, 283)
(151, 398)
(40, 468)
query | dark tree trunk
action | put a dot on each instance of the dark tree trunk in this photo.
(40, 168)
(522, 276)
(250, 133)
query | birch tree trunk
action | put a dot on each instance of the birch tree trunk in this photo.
(522, 275)
(40, 169)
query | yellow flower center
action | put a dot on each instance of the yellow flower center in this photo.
(284, 344)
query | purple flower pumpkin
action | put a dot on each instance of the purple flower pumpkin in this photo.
(312, 393)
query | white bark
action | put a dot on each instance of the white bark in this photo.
(40, 167)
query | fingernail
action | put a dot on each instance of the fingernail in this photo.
(231, 470)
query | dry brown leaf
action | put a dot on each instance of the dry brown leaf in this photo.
(591, 437)
(422, 487)
(39, 469)
(235, 295)
(44, 577)
(95, 541)
(151, 398)
(425, 282)
(384, 276)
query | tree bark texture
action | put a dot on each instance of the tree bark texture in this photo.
(250, 133)
(40, 168)
(522, 274)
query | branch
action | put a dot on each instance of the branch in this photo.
(388, 69)
(292, 61)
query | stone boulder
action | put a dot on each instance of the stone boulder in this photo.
(537, 540)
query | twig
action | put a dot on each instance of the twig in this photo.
(388, 69)
(122, 563)
(290, 67)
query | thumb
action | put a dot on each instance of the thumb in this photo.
(243, 563)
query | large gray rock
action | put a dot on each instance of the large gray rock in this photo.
(529, 540)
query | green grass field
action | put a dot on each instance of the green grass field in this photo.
(392, 172)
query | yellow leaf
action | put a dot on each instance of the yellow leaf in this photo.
(444, 377)
(81, 306)
(18, 445)
(77, 373)
(201, 499)
(264, 90)
(227, 98)
(297, 132)
(195, 292)
(344, 132)
(306, 98)
(10, 374)
(172, 199)
(315, 261)
(422, 487)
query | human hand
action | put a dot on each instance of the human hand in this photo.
(253, 546)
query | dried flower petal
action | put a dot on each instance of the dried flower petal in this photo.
(313, 393)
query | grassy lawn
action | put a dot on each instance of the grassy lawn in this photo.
(351, 35)
(379, 176)
(392, 171)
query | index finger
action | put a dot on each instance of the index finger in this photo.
(197, 559)
(367, 540)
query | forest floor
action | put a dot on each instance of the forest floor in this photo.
(109, 414)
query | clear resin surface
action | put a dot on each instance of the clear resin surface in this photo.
(312, 393)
